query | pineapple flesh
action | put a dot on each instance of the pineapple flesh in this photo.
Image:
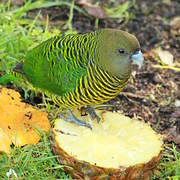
(117, 142)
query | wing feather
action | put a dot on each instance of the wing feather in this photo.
(55, 65)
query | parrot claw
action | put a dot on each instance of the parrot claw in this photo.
(90, 110)
(73, 119)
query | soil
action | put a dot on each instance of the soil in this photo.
(152, 92)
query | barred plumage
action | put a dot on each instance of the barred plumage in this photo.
(70, 68)
(94, 88)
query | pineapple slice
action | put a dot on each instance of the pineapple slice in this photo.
(117, 147)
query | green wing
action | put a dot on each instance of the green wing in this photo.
(57, 64)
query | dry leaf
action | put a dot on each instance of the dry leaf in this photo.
(93, 10)
(177, 103)
(175, 26)
(19, 121)
(165, 57)
(177, 139)
(175, 23)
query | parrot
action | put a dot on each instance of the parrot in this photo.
(83, 69)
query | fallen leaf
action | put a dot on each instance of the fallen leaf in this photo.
(19, 121)
(177, 139)
(177, 103)
(165, 57)
(175, 26)
(175, 23)
(92, 9)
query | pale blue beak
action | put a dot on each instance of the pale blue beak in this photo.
(137, 58)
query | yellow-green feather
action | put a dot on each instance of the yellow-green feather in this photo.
(68, 69)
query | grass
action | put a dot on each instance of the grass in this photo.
(18, 34)
(32, 162)
(169, 167)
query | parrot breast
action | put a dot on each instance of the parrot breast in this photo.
(67, 69)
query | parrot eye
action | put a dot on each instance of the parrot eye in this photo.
(121, 51)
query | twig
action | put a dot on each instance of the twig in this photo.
(167, 67)
(131, 95)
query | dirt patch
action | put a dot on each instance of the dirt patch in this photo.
(152, 93)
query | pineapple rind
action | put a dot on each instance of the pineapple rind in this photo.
(116, 147)
(117, 141)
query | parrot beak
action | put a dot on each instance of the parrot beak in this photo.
(137, 58)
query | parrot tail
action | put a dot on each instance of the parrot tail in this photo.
(16, 76)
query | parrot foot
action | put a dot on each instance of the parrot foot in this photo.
(91, 111)
(73, 119)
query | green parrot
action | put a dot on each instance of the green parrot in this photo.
(83, 70)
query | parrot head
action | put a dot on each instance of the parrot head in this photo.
(118, 50)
